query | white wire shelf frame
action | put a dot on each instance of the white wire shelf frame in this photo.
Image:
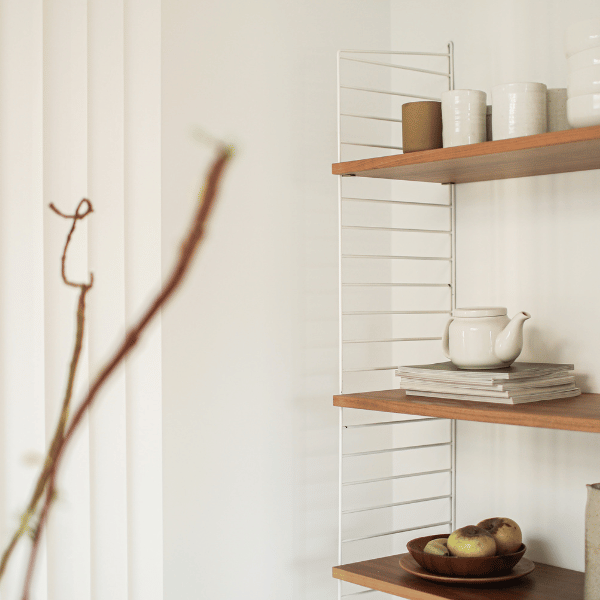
(386, 60)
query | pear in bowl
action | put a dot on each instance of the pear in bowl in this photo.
(456, 566)
(471, 542)
(439, 547)
(506, 533)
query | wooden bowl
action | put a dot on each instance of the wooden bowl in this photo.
(462, 567)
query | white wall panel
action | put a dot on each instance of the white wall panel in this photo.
(142, 67)
(108, 446)
(80, 117)
(65, 184)
(22, 410)
(250, 350)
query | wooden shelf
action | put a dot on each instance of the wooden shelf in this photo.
(384, 574)
(581, 413)
(542, 154)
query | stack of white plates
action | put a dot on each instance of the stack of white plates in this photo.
(582, 45)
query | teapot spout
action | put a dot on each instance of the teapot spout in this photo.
(509, 341)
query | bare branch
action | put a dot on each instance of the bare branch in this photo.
(83, 209)
(187, 252)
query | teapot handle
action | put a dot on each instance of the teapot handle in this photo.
(445, 338)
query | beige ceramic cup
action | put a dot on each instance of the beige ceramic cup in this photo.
(421, 126)
(556, 108)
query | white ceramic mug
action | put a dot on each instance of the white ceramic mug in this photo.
(518, 109)
(463, 117)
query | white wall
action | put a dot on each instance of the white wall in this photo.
(528, 244)
(80, 117)
(250, 348)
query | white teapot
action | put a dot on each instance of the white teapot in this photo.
(483, 338)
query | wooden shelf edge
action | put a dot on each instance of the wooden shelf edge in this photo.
(546, 582)
(581, 413)
(501, 159)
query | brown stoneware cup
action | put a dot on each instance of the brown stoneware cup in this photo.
(421, 126)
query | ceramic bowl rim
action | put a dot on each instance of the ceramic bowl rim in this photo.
(591, 54)
(521, 86)
(589, 69)
(586, 96)
(464, 92)
(522, 548)
(471, 566)
(579, 82)
(578, 34)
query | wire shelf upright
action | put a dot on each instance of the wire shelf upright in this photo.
(376, 326)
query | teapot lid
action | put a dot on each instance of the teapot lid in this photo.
(496, 311)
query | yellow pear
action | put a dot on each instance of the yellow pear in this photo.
(471, 542)
(438, 547)
(505, 531)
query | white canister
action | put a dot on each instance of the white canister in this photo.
(556, 109)
(518, 109)
(463, 117)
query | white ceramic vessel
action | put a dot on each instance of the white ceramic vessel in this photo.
(483, 338)
(586, 58)
(463, 117)
(582, 35)
(584, 111)
(591, 587)
(556, 109)
(584, 81)
(518, 109)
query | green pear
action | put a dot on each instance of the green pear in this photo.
(438, 547)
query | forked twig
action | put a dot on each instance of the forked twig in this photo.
(188, 249)
(83, 209)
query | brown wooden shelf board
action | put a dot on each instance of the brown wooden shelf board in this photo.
(384, 574)
(542, 154)
(581, 413)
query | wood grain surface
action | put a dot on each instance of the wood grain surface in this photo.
(542, 154)
(384, 574)
(581, 413)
